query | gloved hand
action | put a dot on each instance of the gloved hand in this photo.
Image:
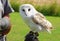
(4, 23)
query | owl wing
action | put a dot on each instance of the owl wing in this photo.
(40, 15)
(40, 19)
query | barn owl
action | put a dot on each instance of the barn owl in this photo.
(34, 19)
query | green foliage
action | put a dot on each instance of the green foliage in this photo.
(57, 11)
(15, 6)
(50, 10)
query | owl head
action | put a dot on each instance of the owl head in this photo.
(27, 10)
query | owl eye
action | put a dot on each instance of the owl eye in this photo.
(23, 10)
(29, 9)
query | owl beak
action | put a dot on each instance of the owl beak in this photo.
(25, 14)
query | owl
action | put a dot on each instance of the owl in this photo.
(35, 20)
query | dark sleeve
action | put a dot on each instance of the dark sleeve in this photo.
(7, 8)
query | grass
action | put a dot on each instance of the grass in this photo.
(20, 29)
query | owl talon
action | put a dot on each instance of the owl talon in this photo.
(36, 33)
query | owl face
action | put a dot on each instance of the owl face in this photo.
(27, 10)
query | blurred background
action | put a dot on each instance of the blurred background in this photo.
(47, 7)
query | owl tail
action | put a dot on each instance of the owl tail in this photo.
(48, 30)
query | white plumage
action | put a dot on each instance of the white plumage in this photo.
(35, 20)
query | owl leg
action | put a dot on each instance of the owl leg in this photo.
(39, 28)
(36, 33)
